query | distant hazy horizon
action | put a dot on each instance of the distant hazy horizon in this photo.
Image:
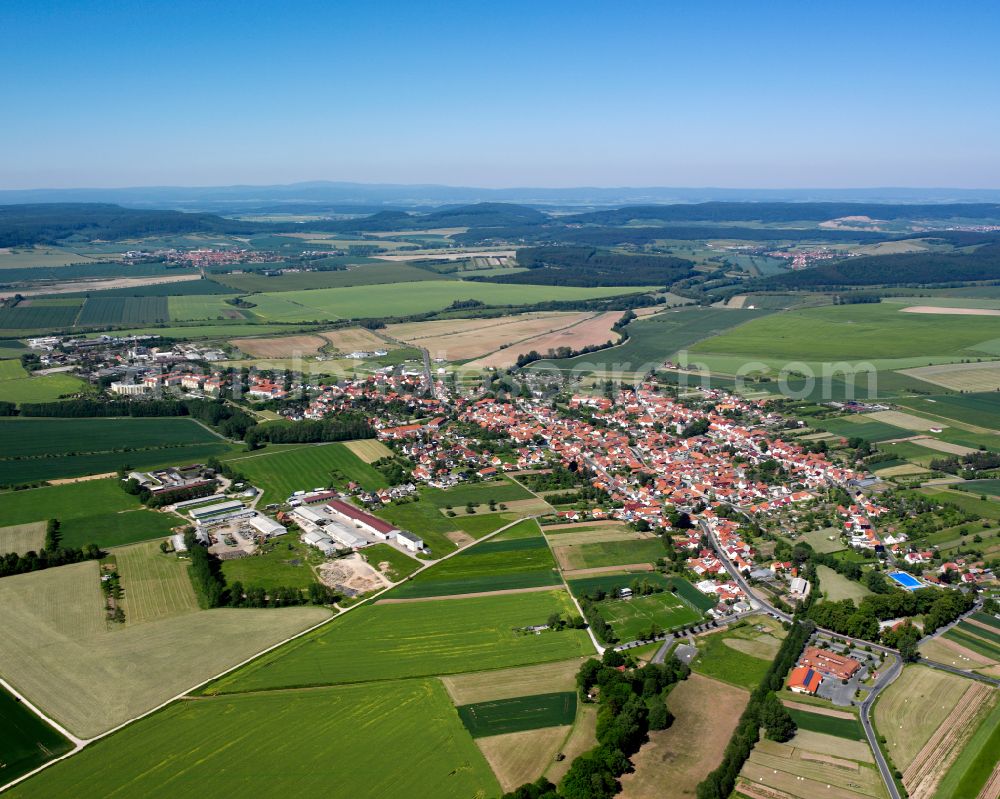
(778, 95)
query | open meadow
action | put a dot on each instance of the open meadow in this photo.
(281, 472)
(17, 386)
(608, 553)
(379, 642)
(91, 675)
(837, 587)
(741, 654)
(495, 565)
(222, 745)
(90, 512)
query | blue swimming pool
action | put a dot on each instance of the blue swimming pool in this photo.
(908, 581)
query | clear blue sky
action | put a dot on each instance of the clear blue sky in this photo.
(542, 93)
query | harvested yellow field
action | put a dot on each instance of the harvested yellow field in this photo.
(954, 654)
(591, 331)
(351, 339)
(22, 538)
(942, 446)
(598, 536)
(519, 757)
(805, 774)
(914, 706)
(486, 686)
(821, 743)
(902, 470)
(464, 339)
(582, 738)
(937, 309)
(280, 346)
(905, 420)
(984, 376)
(59, 651)
(369, 450)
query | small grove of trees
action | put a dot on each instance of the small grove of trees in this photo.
(939, 607)
(343, 427)
(631, 703)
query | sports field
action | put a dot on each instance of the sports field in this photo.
(285, 744)
(25, 740)
(635, 618)
(518, 714)
(91, 512)
(380, 642)
(62, 654)
(281, 472)
(490, 566)
(405, 299)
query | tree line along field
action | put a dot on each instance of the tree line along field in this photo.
(493, 565)
(281, 472)
(282, 743)
(25, 740)
(415, 639)
(653, 340)
(91, 512)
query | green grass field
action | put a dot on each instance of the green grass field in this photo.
(975, 763)
(32, 437)
(285, 744)
(382, 642)
(281, 472)
(986, 618)
(987, 509)
(370, 274)
(15, 472)
(837, 587)
(490, 566)
(867, 429)
(981, 409)
(611, 553)
(155, 585)
(25, 740)
(95, 511)
(855, 333)
(633, 618)
(476, 493)
(990, 487)
(483, 524)
(829, 725)
(281, 562)
(399, 565)
(18, 388)
(978, 645)
(195, 307)
(653, 340)
(521, 713)
(426, 520)
(733, 663)
(404, 299)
